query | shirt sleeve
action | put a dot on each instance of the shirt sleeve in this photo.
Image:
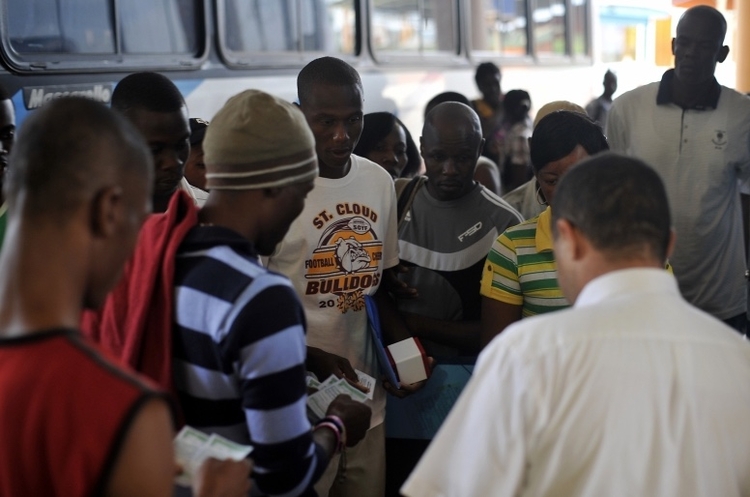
(390, 241)
(271, 368)
(500, 279)
(617, 128)
(481, 448)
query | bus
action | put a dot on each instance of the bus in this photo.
(405, 50)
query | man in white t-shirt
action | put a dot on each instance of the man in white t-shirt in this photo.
(336, 252)
(696, 134)
(632, 391)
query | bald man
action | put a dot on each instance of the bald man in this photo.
(447, 232)
(696, 134)
(78, 189)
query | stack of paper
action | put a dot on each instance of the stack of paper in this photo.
(192, 447)
(333, 387)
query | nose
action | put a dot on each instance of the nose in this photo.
(390, 157)
(450, 168)
(341, 133)
(171, 160)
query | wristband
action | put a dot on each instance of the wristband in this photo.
(335, 429)
(337, 421)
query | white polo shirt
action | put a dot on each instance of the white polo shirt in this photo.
(630, 392)
(701, 156)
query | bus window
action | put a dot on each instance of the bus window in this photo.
(579, 27)
(414, 27)
(66, 33)
(549, 27)
(254, 27)
(501, 27)
(167, 26)
(87, 26)
(61, 26)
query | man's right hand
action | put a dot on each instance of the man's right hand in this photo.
(226, 478)
(355, 415)
(325, 364)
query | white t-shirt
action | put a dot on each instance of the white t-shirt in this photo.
(335, 253)
(630, 392)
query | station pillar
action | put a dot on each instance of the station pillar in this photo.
(742, 46)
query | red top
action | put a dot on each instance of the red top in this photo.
(64, 411)
(135, 323)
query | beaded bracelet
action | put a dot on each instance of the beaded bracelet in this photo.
(335, 429)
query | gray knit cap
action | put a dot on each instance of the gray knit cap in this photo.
(258, 141)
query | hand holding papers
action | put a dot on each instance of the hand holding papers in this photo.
(193, 447)
(333, 387)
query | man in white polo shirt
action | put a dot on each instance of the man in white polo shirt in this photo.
(696, 134)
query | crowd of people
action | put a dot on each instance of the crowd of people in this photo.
(159, 271)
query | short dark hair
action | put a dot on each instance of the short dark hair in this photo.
(327, 71)
(446, 96)
(147, 90)
(376, 127)
(57, 157)
(485, 69)
(558, 133)
(513, 99)
(618, 203)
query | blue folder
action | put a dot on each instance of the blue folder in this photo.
(377, 337)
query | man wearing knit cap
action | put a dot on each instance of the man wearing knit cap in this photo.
(335, 254)
(239, 330)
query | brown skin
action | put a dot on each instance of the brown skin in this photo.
(263, 217)
(579, 261)
(52, 269)
(7, 134)
(334, 114)
(451, 142)
(496, 315)
(390, 152)
(213, 475)
(489, 87)
(195, 168)
(450, 150)
(610, 86)
(168, 136)
(487, 174)
(697, 48)
(52, 266)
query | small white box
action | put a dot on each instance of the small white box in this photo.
(409, 360)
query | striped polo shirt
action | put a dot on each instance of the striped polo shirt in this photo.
(521, 269)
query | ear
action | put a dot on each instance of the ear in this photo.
(570, 240)
(673, 42)
(107, 211)
(421, 147)
(481, 147)
(723, 52)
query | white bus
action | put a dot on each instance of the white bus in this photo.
(406, 50)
